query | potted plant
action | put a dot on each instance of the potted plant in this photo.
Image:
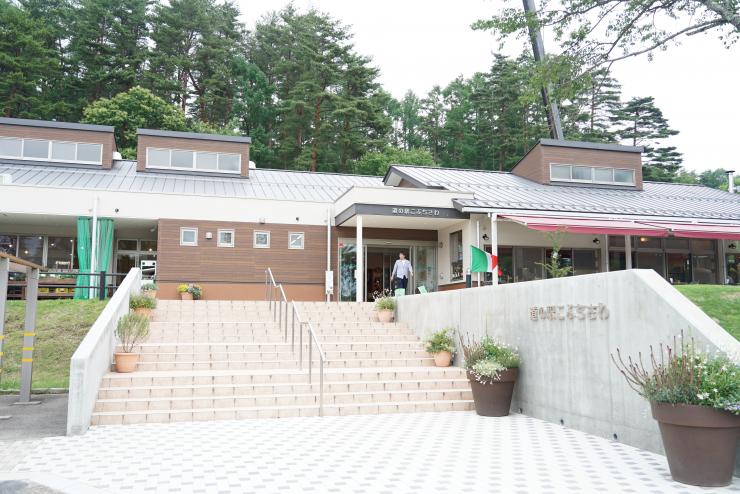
(142, 305)
(196, 291)
(442, 346)
(385, 306)
(695, 397)
(149, 289)
(492, 370)
(184, 292)
(131, 329)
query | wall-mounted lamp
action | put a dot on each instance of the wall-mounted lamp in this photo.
(485, 236)
(643, 239)
(209, 235)
(596, 240)
(732, 246)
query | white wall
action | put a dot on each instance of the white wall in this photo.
(566, 371)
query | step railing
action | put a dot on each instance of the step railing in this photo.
(278, 303)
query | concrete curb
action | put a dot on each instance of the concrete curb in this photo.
(50, 481)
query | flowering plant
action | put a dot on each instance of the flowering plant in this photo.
(486, 358)
(441, 341)
(683, 375)
(385, 303)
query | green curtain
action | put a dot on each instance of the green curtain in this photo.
(83, 256)
(103, 251)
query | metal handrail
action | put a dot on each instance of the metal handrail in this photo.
(275, 294)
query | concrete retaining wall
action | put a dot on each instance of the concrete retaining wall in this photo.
(93, 357)
(566, 372)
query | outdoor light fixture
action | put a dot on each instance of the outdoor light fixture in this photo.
(643, 239)
(731, 246)
(209, 235)
(485, 236)
(596, 241)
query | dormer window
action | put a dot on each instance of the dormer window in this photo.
(181, 159)
(592, 174)
(51, 151)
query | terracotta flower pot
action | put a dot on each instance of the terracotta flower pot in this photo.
(143, 312)
(700, 442)
(442, 359)
(186, 296)
(126, 362)
(385, 315)
(494, 399)
(151, 293)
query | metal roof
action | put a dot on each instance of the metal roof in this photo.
(261, 184)
(601, 146)
(193, 135)
(503, 190)
(27, 122)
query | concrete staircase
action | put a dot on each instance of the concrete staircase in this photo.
(218, 360)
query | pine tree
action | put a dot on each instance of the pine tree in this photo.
(641, 123)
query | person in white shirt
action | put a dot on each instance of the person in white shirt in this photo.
(402, 270)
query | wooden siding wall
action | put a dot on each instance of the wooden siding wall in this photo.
(208, 263)
(145, 141)
(107, 139)
(531, 166)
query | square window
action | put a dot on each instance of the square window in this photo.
(623, 176)
(206, 161)
(149, 245)
(11, 147)
(296, 240)
(63, 151)
(261, 240)
(157, 158)
(226, 238)
(559, 172)
(604, 175)
(582, 173)
(126, 244)
(189, 236)
(35, 148)
(182, 159)
(229, 162)
(89, 152)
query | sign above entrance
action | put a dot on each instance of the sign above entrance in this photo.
(406, 211)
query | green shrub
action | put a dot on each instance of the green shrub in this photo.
(149, 287)
(182, 288)
(441, 341)
(385, 303)
(682, 375)
(142, 302)
(486, 358)
(196, 291)
(487, 370)
(132, 329)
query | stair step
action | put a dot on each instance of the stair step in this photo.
(162, 416)
(208, 347)
(286, 354)
(278, 364)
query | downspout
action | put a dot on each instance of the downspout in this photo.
(477, 241)
(93, 247)
(328, 253)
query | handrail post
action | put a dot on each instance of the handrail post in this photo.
(4, 271)
(102, 288)
(310, 356)
(286, 320)
(321, 387)
(292, 331)
(29, 336)
(300, 345)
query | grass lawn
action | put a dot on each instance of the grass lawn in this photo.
(60, 326)
(721, 303)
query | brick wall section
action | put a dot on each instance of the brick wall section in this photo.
(145, 141)
(107, 139)
(535, 165)
(242, 263)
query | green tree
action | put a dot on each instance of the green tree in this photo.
(129, 111)
(714, 178)
(25, 64)
(378, 162)
(108, 45)
(641, 123)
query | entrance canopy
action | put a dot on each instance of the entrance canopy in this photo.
(588, 225)
(696, 230)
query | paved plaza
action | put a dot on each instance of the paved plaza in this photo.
(451, 452)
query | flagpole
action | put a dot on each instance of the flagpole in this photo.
(494, 244)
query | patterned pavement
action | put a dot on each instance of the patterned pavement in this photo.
(451, 452)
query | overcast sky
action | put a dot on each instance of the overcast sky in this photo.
(420, 43)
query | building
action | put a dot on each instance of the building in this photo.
(192, 203)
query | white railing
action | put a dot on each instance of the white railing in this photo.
(93, 357)
(275, 295)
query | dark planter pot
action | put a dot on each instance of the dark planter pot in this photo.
(494, 399)
(699, 442)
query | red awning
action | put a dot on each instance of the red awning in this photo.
(699, 230)
(588, 225)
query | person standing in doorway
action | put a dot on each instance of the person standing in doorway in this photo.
(402, 270)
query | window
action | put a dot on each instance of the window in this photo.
(592, 174)
(61, 151)
(295, 240)
(148, 246)
(261, 240)
(11, 147)
(31, 248)
(189, 236)
(193, 160)
(456, 256)
(60, 253)
(8, 244)
(225, 238)
(125, 244)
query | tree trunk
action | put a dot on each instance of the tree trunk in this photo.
(316, 134)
